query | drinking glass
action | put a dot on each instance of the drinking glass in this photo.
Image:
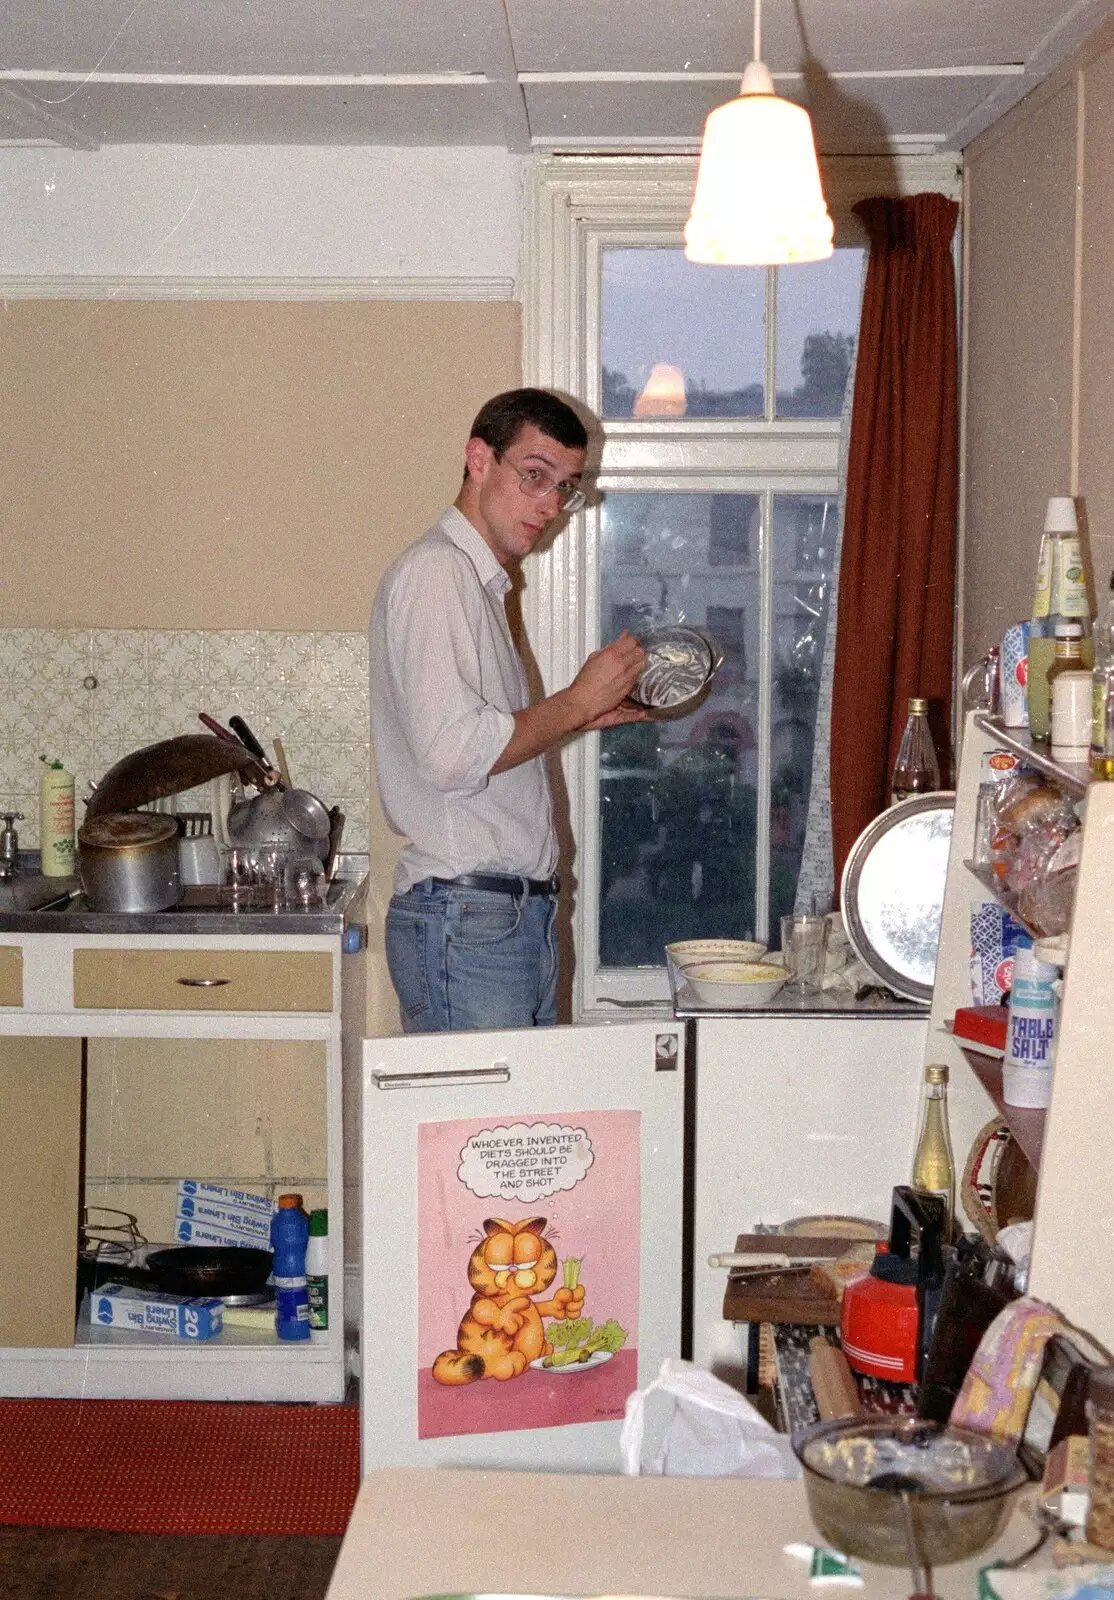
(270, 876)
(238, 879)
(804, 945)
(305, 882)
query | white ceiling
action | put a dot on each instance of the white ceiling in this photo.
(913, 75)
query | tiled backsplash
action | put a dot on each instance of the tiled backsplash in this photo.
(91, 695)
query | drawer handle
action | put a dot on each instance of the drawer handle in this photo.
(446, 1079)
(204, 983)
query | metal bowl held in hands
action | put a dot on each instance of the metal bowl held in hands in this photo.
(873, 1483)
(680, 665)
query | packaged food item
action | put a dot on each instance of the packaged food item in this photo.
(995, 936)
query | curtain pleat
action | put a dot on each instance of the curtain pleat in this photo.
(896, 605)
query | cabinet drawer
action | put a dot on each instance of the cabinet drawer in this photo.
(203, 980)
(11, 975)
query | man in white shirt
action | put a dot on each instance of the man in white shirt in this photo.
(458, 746)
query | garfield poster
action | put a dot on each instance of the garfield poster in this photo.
(528, 1270)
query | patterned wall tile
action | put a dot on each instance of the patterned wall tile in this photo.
(91, 696)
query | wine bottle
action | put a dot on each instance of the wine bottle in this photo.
(916, 770)
(933, 1163)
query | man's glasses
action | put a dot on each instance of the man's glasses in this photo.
(536, 484)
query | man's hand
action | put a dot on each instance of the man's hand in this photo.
(596, 698)
(606, 678)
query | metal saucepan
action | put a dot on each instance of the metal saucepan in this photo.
(128, 861)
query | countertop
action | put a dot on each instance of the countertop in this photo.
(202, 910)
(442, 1531)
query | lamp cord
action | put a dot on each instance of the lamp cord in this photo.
(757, 31)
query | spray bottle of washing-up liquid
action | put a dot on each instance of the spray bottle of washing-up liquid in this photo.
(56, 820)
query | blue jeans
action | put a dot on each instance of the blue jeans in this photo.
(472, 958)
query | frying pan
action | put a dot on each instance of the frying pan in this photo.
(222, 1271)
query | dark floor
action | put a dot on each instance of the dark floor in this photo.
(85, 1564)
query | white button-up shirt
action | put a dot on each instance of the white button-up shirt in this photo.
(445, 680)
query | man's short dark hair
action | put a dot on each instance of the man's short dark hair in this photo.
(499, 422)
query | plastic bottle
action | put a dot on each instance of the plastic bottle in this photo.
(289, 1234)
(933, 1162)
(56, 821)
(317, 1268)
(1102, 639)
(1030, 1030)
(916, 770)
(1060, 597)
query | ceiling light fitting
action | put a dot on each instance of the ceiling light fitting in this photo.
(758, 199)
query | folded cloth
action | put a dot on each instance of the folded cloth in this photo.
(1002, 1377)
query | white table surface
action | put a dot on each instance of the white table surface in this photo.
(439, 1531)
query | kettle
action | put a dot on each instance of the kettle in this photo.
(283, 819)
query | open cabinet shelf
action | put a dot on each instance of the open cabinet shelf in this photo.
(1026, 1126)
(1072, 1262)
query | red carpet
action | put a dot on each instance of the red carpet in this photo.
(153, 1466)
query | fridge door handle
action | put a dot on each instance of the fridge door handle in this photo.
(500, 1073)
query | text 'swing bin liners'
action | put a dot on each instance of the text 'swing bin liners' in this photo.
(528, 1271)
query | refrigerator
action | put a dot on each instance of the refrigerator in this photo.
(523, 1209)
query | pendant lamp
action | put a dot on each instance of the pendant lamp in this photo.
(758, 199)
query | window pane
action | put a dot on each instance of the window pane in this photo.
(817, 325)
(804, 550)
(677, 799)
(697, 330)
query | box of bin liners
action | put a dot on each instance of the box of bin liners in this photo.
(187, 1231)
(217, 1194)
(228, 1220)
(114, 1305)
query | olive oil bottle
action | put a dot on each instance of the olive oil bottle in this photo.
(933, 1163)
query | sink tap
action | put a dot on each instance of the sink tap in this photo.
(9, 844)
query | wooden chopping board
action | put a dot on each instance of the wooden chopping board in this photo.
(777, 1295)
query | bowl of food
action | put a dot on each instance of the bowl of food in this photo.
(877, 1485)
(680, 665)
(728, 985)
(695, 952)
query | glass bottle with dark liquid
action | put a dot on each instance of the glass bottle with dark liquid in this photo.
(916, 770)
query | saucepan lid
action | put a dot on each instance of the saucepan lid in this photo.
(170, 767)
(892, 892)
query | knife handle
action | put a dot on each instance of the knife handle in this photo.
(248, 739)
(217, 727)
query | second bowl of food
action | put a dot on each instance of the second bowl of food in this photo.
(730, 984)
(694, 952)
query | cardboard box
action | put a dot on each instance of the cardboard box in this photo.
(187, 1231)
(114, 1305)
(239, 1199)
(229, 1219)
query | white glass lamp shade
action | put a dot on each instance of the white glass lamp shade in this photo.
(664, 394)
(758, 199)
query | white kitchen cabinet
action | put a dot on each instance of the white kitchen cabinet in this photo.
(794, 1117)
(58, 989)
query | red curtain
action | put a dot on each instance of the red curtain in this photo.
(895, 619)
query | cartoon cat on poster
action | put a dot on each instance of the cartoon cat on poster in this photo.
(510, 1296)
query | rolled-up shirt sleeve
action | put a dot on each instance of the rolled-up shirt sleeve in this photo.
(438, 631)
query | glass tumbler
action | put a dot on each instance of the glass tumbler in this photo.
(305, 884)
(804, 947)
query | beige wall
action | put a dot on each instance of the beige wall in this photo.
(1039, 310)
(173, 464)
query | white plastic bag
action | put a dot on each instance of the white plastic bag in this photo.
(714, 1432)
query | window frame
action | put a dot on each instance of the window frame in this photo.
(575, 208)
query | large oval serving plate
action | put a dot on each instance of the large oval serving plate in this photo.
(892, 892)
